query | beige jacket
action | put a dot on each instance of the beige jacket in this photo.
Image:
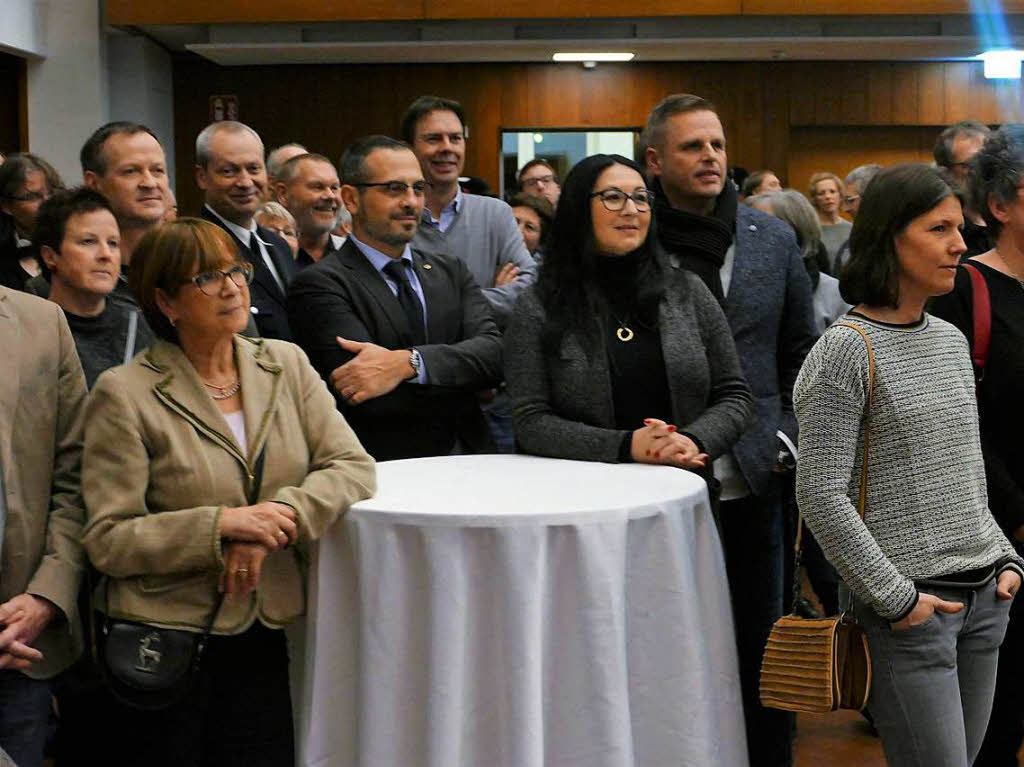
(42, 393)
(160, 464)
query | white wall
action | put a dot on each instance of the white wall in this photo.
(67, 90)
(22, 30)
(140, 85)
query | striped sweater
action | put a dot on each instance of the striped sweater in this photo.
(927, 509)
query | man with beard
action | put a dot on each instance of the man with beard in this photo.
(308, 186)
(230, 171)
(479, 230)
(752, 264)
(403, 338)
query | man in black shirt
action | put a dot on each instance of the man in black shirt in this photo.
(80, 243)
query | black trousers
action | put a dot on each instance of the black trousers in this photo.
(752, 537)
(1006, 723)
(239, 715)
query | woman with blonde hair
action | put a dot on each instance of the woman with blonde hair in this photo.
(825, 191)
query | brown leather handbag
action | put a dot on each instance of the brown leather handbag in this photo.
(818, 665)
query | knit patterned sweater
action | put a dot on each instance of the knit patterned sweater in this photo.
(926, 513)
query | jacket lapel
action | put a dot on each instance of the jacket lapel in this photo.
(373, 282)
(180, 389)
(261, 385)
(434, 295)
(739, 282)
(261, 274)
(10, 382)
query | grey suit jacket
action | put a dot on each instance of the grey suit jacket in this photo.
(563, 406)
(770, 308)
(42, 392)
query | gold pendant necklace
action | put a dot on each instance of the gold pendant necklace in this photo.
(624, 333)
(225, 392)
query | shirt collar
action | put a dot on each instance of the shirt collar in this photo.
(452, 207)
(375, 257)
(240, 232)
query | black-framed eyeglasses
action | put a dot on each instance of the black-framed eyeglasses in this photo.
(396, 188)
(614, 199)
(211, 282)
(538, 180)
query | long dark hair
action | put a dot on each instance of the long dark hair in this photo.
(567, 284)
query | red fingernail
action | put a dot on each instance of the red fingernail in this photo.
(671, 427)
(647, 422)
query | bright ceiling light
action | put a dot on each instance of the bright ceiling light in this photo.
(1002, 64)
(593, 56)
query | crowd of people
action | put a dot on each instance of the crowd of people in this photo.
(191, 401)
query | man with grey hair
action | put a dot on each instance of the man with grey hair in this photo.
(954, 148)
(278, 156)
(855, 183)
(230, 171)
(751, 263)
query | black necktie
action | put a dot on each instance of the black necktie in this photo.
(409, 300)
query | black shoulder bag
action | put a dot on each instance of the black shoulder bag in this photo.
(150, 668)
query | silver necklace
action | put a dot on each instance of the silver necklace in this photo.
(225, 392)
(1013, 274)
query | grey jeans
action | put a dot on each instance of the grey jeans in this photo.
(932, 684)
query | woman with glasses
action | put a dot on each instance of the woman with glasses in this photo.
(26, 182)
(209, 462)
(613, 355)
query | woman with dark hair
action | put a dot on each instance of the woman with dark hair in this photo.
(26, 182)
(533, 216)
(210, 461)
(612, 348)
(994, 186)
(932, 576)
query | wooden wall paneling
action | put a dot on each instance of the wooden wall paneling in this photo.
(853, 96)
(840, 150)
(515, 96)
(827, 87)
(867, 7)
(958, 77)
(134, 13)
(749, 130)
(775, 119)
(983, 97)
(879, 85)
(527, 9)
(801, 93)
(931, 85)
(905, 94)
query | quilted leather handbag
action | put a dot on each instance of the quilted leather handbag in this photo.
(818, 665)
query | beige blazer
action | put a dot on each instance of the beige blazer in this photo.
(42, 393)
(161, 462)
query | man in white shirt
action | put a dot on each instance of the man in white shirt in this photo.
(231, 173)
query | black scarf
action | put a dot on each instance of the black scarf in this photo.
(699, 242)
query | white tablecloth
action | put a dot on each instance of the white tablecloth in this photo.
(512, 611)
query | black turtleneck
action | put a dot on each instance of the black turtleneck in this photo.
(639, 382)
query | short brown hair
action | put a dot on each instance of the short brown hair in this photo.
(167, 256)
(676, 104)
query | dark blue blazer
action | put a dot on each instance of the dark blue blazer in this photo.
(770, 310)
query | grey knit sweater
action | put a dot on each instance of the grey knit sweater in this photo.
(927, 509)
(485, 236)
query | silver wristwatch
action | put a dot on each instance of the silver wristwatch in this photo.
(416, 361)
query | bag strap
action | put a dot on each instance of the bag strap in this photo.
(862, 497)
(252, 497)
(982, 319)
(133, 329)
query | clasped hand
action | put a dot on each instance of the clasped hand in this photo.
(272, 525)
(659, 442)
(373, 372)
(23, 618)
